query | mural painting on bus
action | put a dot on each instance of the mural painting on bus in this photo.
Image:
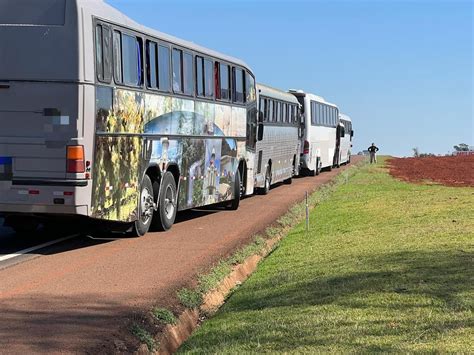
(117, 159)
(207, 165)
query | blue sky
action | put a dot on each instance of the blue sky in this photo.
(403, 70)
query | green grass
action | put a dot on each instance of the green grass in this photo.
(387, 266)
(189, 298)
(144, 336)
(164, 316)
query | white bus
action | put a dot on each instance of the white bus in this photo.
(320, 120)
(278, 142)
(344, 135)
(104, 118)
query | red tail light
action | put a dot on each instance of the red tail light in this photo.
(75, 159)
(306, 147)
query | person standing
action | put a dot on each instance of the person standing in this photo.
(372, 150)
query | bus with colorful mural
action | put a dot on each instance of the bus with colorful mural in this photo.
(278, 141)
(122, 123)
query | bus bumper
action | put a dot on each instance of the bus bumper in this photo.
(44, 199)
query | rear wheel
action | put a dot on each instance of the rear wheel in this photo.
(145, 208)
(234, 204)
(165, 215)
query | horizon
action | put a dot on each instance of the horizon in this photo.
(409, 62)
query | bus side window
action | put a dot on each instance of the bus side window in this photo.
(270, 111)
(250, 88)
(188, 74)
(217, 84)
(200, 76)
(224, 81)
(131, 60)
(107, 52)
(164, 82)
(177, 70)
(152, 74)
(118, 57)
(238, 88)
(99, 66)
(208, 78)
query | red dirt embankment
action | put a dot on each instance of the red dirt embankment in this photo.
(450, 170)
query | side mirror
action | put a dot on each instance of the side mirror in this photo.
(260, 116)
(352, 133)
(343, 132)
(260, 132)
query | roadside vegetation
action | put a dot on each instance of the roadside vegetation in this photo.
(386, 266)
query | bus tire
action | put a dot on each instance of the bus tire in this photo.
(145, 208)
(288, 181)
(165, 215)
(234, 204)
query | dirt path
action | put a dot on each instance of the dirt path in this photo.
(81, 294)
(450, 170)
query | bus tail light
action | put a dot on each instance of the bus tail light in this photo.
(306, 147)
(75, 159)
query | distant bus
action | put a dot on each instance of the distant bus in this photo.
(104, 118)
(278, 142)
(345, 134)
(320, 120)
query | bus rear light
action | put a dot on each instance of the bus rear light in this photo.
(75, 159)
(33, 192)
(68, 193)
(306, 147)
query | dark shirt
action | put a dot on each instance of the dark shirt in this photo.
(373, 149)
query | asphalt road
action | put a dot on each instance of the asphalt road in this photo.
(78, 294)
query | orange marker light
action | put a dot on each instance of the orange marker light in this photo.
(75, 159)
(75, 152)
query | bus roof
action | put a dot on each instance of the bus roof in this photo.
(269, 91)
(107, 12)
(344, 117)
(314, 97)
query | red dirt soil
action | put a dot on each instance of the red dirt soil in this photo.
(450, 170)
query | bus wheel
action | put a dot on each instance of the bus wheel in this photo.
(167, 205)
(234, 204)
(145, 208)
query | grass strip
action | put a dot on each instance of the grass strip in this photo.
(210, 280)
(387, 266)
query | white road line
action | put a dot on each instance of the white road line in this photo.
(36, 247)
